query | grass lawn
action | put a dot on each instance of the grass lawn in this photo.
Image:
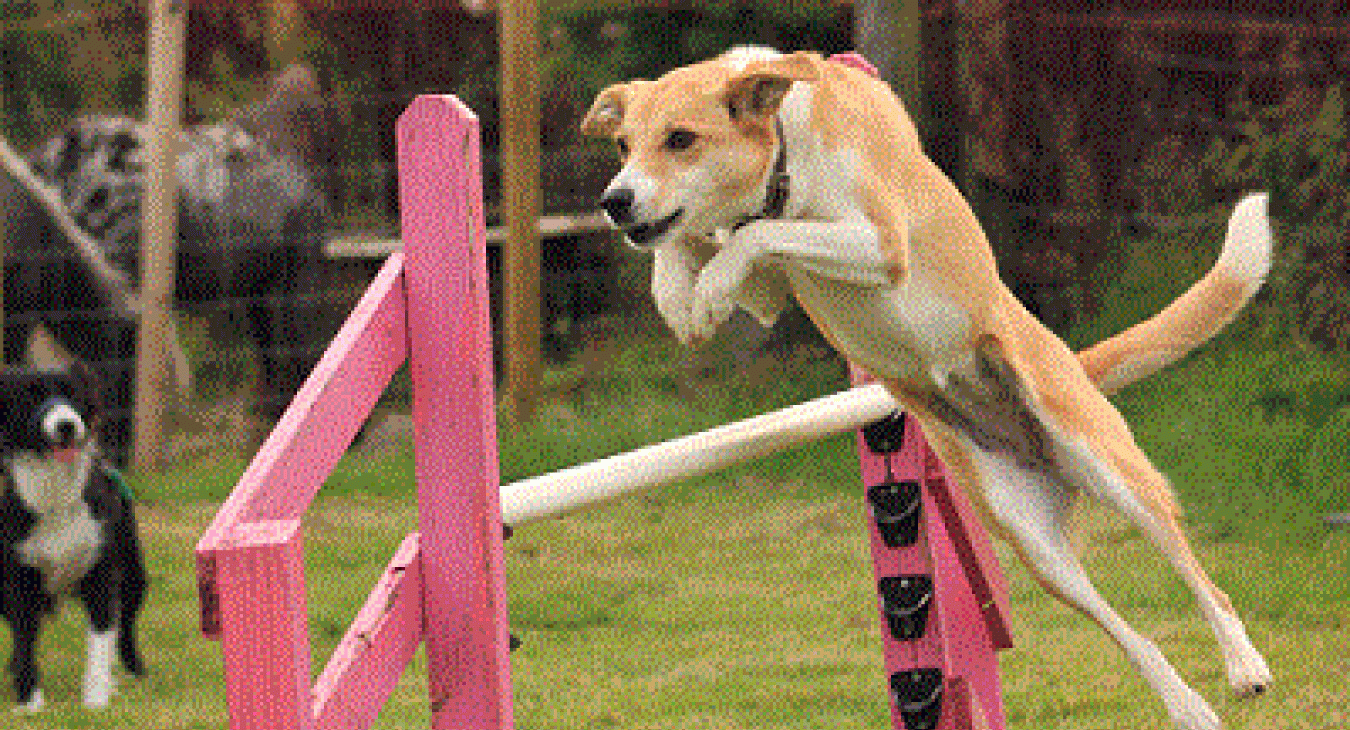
(749, 607)
(744, 599)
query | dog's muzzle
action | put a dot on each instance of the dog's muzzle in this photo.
(618, 205)
(61, 424)
(644, 234)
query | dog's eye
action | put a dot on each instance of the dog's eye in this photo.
(680, 139)
(622, 144)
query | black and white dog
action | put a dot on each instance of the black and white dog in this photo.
(66, 528)
(253, 214)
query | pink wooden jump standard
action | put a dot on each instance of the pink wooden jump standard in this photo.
(445, 584)
(967, 611)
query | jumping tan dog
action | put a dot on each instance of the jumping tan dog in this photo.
(755, 176)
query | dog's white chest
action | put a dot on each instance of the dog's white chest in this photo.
(901, 332)
(65, 541)
(63, 546)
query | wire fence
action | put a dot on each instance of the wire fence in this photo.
(1071, 127)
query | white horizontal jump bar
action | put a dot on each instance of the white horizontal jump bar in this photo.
(552, 494)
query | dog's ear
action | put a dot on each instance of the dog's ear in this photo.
(608, 109)
(758, 90)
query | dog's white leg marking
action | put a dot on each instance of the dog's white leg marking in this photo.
(674, 267)
(846, 251)
(1032, 508)
(1247, 670)
(34, 704)
(717, 284)
(98, 679)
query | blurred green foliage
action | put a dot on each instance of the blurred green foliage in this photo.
(598, 46)
(1298, 152)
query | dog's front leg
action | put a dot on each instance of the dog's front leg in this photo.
(23, 602)
(848, 251)
(674, 267)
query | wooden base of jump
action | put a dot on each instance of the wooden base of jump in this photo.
(940, 593)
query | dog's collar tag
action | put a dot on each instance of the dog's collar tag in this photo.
(779, 187)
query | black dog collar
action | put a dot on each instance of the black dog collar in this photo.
(779, 187)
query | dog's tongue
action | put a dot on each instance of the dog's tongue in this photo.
(66, 455)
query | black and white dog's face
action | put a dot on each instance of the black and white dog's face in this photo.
(47, 423)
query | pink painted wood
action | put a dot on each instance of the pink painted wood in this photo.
(262, 599)
(444, 585)
(966, 625)
(316, 429)
(370, 659)
(974, 551)
(454, 416)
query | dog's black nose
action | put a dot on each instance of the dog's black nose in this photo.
(65, 433)
(619, 205)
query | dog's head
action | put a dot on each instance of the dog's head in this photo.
(48, 416)
(697, 145)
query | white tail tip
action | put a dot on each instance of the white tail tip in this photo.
(1248, 248)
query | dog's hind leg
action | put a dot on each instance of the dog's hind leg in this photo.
(1106, 462)
(1031, 507)
(1130, 483)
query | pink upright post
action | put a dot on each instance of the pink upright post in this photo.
(455, 431)
(941, 593)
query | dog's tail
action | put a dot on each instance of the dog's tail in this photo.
(1194, 317)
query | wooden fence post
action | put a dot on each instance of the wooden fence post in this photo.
(159, 228)
(519, 38)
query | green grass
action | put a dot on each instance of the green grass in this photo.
(744, 598)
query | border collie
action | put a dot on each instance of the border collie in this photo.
(67, 528)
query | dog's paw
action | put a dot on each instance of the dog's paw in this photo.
(713, 305)
(1248, 674)
(718, 282)
(1190, 711)
(676, 308)
(34, 704)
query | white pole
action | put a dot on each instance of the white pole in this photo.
(549, 495)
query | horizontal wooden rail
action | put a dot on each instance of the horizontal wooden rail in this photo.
(550, 226)
(1207, 23)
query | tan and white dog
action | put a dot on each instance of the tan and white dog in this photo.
(757, 176)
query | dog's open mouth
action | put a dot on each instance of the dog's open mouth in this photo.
(648, 232)
(67, 455)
